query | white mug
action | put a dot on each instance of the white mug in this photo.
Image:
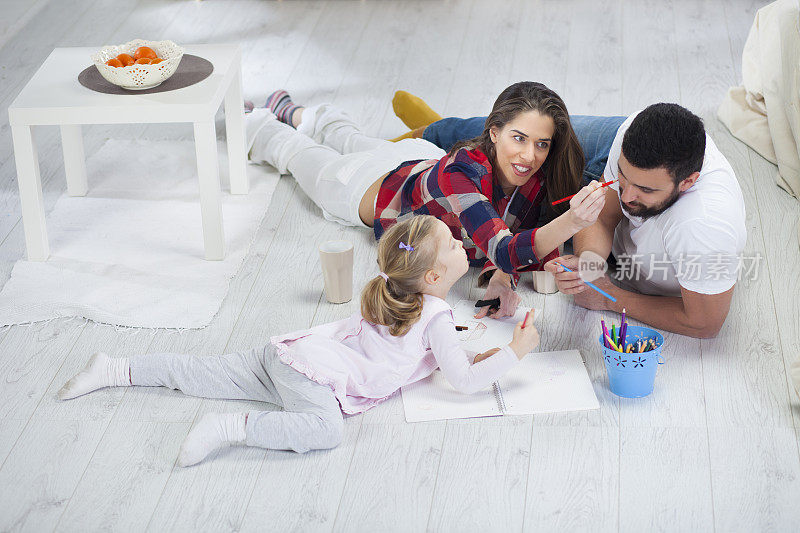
(544, 282)
(336, 258)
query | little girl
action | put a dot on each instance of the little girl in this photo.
(405, 330)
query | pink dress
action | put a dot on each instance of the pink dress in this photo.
(364, 364)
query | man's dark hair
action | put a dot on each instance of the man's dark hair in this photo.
(666, 136)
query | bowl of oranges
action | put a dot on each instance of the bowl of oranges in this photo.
(138, 64)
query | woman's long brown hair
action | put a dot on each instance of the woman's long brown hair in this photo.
(563, 167)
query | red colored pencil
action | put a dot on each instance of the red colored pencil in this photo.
(525, 322)
(606, 184)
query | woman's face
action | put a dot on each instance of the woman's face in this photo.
(521, 146)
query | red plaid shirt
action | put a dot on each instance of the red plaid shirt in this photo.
(461, 191)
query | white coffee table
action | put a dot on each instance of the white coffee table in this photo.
(54, 97)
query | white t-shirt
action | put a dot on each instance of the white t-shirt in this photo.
(695, 244)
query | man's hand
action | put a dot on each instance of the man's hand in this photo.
(500, 287)
(485, 355)
(593, 300)
(568, 282)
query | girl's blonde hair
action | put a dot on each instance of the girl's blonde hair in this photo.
(397, 301)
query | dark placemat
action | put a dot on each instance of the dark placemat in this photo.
(191, 70)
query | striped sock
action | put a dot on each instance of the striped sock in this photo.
(280, 103)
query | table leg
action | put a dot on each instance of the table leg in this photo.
(30, 193)
(74, 159)
(205, 143)
(234, 130)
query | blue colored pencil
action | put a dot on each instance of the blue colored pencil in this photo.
(592, 285)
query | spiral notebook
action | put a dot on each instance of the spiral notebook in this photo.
(543, 382)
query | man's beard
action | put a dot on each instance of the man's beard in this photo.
(639, 210)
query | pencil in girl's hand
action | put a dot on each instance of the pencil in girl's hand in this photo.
(606, 184)
(525, 322)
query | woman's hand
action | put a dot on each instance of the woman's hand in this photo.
(526, 337)
(485, 355)
(585, 207)
(500, 287)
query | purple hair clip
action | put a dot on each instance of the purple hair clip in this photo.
(406, 246)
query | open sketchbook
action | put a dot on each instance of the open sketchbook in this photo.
(543, 382)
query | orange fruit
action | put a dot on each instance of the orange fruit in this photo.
(144, 52)
(125, 59)
(156, 60)
(143, 61)
(114, 62)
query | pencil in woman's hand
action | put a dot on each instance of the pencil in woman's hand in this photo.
(606, 184)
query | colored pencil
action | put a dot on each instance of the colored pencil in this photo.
(606, 184)
(623, 327)
(592, 285)
(528, 314)
(613, 346)
(605, 333)
(613, 333)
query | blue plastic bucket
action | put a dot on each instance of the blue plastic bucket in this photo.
(632, 375)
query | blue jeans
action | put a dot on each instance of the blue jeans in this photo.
(595, 135)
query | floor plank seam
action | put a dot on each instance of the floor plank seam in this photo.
(436, 476)
(88, 463)
(347, 475)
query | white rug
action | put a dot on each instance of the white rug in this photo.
(130, 252)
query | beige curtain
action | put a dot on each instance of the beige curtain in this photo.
(764, 112)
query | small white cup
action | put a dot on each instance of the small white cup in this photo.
(336, 258)
(544, 282)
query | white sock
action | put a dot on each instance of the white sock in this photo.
(213, 431)
(101, 371)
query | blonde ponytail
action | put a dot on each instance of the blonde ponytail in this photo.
(397, 301)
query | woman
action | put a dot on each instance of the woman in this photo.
(493, 191)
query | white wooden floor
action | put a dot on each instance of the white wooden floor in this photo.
(715, 447)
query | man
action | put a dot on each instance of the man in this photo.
(675, 221)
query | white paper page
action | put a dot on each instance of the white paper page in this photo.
(487, 333)
(433, 398)
(548, 382)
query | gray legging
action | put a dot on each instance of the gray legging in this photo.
(311, 419)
